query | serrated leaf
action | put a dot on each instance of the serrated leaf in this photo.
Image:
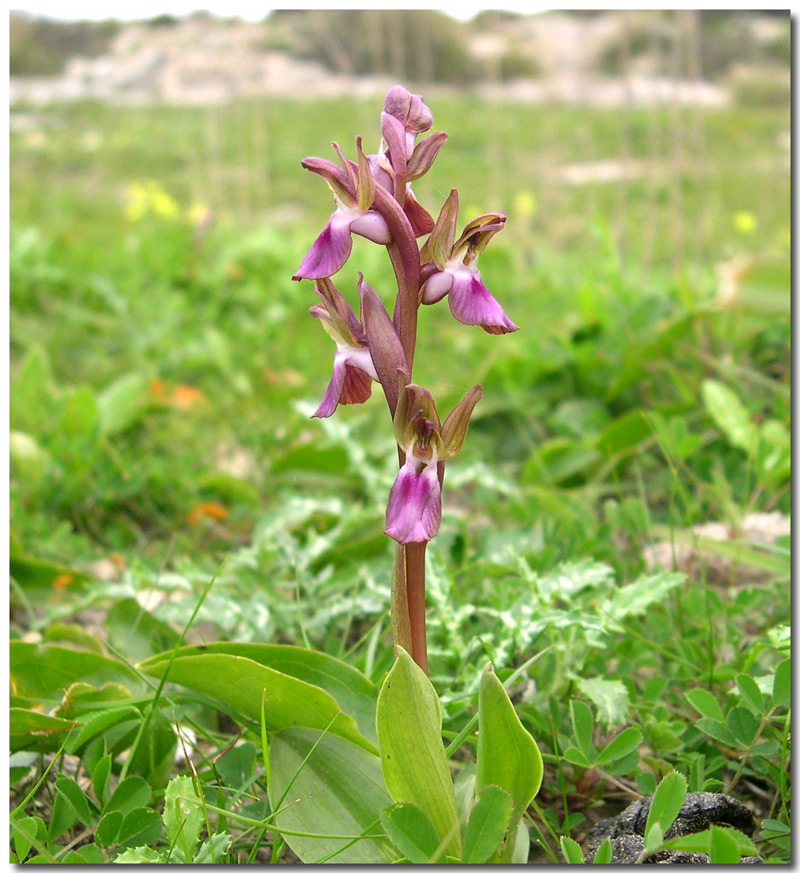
(705, 703)
(213, 851)
(139, 855)
(664, 807)
(610, 697)
(622, 745)
(411, 832)
(641, 595)
(571, 851)
(487, 825)
(183, 816)
(414, 764)
(603, 853)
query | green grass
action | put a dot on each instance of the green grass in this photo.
(633, 403)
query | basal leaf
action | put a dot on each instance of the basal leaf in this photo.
(415, 769)
(240, 683)
(338, 790)
(508, 756)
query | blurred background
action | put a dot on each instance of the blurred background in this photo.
(164, 365)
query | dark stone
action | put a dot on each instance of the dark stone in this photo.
(700, 810)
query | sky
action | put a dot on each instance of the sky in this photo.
(138, 9)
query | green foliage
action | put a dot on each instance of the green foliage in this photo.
(162, 376)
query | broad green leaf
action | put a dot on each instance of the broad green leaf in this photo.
(603, 853)
(43, 671)
(32, 572)
(99, 723)
(665, 805)
(24, 834)
(610, 697)
(722, 847)
(409, 723)
(751, 693)
(139, 827)
(350, 688)
(155, 755)
(575, 756)
(705, 703)
(742, 724)
(487, 825)
(135, 632)
(130, 794)
(582, 726)
(236, 765)
(700, 842)
(411, 831)
(139, 855)
(183, 816)
(88, 854)
(522, 844)
(76, 799)
(240, 682)
(338, 790)
(29, 729)
(62, 817)
(108, 829)
(571, 851)
(716, 729)
(782, 684)
(623, 744)
(729, 414)
(507, 756)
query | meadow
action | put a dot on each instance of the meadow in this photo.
(163, 374)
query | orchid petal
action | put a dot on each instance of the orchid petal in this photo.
(414, 511)
(373, 227)
(471, 303)
(330, 400)
(436, 287)
(329, 252)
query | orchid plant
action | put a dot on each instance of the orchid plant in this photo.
(325, 727)
(373, 199)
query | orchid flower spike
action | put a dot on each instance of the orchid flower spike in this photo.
(401, 159)
(414, 511)
(353, 370)
(452, 269)
(354, 193)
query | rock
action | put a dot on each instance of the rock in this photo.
(700, 810)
